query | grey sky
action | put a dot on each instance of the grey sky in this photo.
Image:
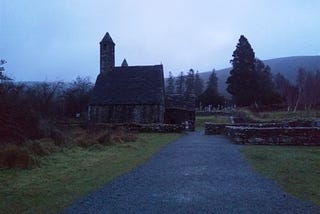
(59, 39)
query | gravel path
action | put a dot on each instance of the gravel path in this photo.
(195, 174)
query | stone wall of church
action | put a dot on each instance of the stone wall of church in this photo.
(126, 114)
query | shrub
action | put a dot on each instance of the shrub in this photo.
(106, 137)
(13, 156)
(121, 136)
(86, 141)
(49, 130)
(42, 147)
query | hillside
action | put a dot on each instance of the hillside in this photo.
(287, 66)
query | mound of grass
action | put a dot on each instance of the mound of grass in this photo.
(67, 175)
(201, 120)
(25, 155)
(295, 169)
(278, 116)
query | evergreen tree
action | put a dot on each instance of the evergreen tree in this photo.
(265, 92)
(190, 82)
(242, 82)
(212, 83)
(250, 81)
(180, 83)
(198, 84)
(211, 95)
(170, 84)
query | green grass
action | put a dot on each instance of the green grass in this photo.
(295, 169)
(65, 176)
(280, 116)
(200, 120)
(283, 115)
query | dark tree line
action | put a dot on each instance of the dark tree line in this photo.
(193, 84)
(251, 83)
(304, 94)
(24, 107)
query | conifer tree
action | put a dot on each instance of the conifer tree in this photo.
(242, 81)
(212, 83)
(180, 83)
(170, 84)
(211, 95)
(250, 81)
(190, 82)
(198, 84)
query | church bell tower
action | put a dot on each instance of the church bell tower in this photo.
(107, 60)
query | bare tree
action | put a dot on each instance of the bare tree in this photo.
(76, 97)
(44, 98)
(287, 91)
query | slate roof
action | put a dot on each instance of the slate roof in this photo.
(130, 85)
(180, 101)
(124, 63)
(107, 38)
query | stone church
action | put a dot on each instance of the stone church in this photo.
(134, 94)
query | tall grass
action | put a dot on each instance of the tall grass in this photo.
(279, 116)
(71, 173)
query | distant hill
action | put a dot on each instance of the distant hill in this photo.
(287, 66)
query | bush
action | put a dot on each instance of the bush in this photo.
(13, 156)
(42, 147)
(86, 141)
(106, 137)
(121, 136)
(49, 130)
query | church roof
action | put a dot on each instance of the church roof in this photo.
(124, 63)
(107, 38)
(130, 85)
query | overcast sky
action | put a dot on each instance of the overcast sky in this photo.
(59, 39)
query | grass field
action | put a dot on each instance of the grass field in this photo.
(65, 176)
(280, 116)
(295, 169)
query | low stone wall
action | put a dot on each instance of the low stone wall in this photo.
(215, 128)
(274, 135)
(215, 113)
(160, 128)
(219, 128)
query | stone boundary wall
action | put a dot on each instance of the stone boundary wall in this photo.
(268, 133)
(215, 128)
(219, 128)
(298, 136)
(159, 128)
(213, 113)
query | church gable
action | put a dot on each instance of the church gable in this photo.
(130, 85)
